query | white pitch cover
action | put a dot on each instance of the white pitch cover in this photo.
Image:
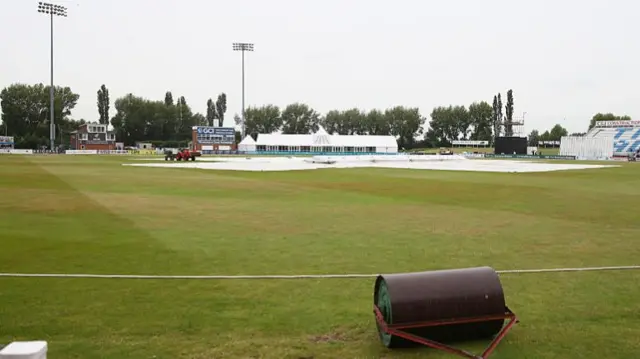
(25, 350)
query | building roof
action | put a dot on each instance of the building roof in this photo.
(322, 138)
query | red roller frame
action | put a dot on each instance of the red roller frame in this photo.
(397, 330)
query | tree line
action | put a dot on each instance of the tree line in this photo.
(26, 113)
(405, 123)
(168, 122)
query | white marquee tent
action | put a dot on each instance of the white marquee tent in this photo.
(247, 145)
(318, 142)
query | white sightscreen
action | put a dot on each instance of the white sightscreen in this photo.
(587, 148)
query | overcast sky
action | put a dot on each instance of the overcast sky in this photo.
(565, 60)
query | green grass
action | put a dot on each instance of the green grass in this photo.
(65, 214)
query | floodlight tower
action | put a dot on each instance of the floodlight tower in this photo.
(52, 10)
(242, 47)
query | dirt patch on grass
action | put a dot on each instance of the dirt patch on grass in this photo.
(329, 338)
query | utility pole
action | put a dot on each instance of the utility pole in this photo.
(242, 46)
(52, 10)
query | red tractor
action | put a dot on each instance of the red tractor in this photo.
(182, 155)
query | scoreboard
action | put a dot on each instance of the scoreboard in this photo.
(215, 135)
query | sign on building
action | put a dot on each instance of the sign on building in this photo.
(6, 140)
(97, 138)
(215, 135)
(633, 123)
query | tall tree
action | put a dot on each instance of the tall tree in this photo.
(545, 136)
(299, 118)
(25, 113)
(185, 118)
(534, 137)
(103, 105)
(500, 117)
(494, 117)
(211, 112)
(480, 115)
(508, 110)
(264, 119)
(557, 132)
(462, 120)
(443, 128)
(405, 124)
(333, 122)
(199, 120)
(168, 98)
(376, 123)
(139, 119)
(355, 121)
(221, 108)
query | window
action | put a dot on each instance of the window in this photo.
(96, 129)
(261, 148)
(83, 137)
(111, 136)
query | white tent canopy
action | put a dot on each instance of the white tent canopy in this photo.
(321, 141)
(248, 144)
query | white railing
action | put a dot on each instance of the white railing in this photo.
(11, 151)
(81, 152)
(96, 152)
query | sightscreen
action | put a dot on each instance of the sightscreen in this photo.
(510, 145)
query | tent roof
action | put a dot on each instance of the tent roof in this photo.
(321, 137)
(321, 131)
(248, 141)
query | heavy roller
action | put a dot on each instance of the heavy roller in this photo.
(444, 306)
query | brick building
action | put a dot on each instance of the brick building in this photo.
(207, 138)
(92, 136)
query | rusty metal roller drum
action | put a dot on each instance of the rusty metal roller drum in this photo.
(438, 297)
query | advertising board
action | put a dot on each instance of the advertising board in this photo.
(97, 138)
(469, 143)
(632, 123)
(11, 151)
(544, 157)
(215, 135)
(81, 152)
(6, 140)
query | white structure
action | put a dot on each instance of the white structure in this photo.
(322, 142)
(247, 145)
(465, 143)
(625, 135)
(587, 148)
(25, 350)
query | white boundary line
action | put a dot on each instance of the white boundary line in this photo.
(303, 276)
